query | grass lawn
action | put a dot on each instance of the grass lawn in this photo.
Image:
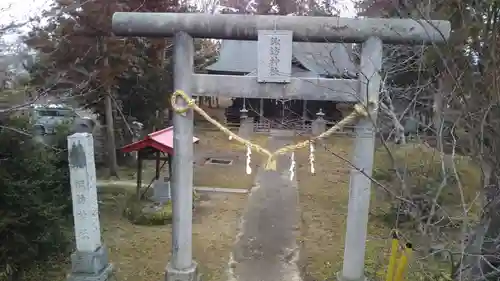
(140, 253)
(217, 145)
(323, 201)
(213, 144)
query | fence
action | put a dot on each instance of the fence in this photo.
(205, 126)
(265, 125)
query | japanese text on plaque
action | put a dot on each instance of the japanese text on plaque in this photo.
(274, 52)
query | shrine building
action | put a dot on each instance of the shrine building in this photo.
(324, 60)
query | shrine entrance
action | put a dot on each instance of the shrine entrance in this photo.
(275, 35)
(286, 115)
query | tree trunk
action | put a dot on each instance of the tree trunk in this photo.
(110, 132)
(437, 108)
(481, 257)
(108, 111)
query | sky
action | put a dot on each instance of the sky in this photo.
(22, 10)
(346, 8)
(19, 11)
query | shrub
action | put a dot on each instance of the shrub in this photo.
(422, 172)
(147, 212)
(35, 199)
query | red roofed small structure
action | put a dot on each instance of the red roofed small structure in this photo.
(162, 140)
(151, 148)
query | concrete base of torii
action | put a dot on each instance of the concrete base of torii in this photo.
(90, 266)
(340, 278)
(188, 274)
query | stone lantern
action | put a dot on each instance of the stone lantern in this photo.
(318, 126)
(243, 113)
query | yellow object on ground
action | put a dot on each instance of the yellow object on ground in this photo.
(397, 269)
(392, 258)
(403, 262)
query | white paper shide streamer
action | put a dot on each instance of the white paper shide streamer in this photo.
(311, 157)
(230, 137)
(292, 166)
(249, 153)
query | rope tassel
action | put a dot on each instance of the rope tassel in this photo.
(311, 157)
(292, 166)
(249, 153)
(270, 164)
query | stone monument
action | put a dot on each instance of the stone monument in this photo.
(161, 188)
(90, 260)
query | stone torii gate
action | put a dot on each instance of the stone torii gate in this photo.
(272, 83)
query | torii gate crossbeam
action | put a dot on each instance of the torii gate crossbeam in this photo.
(306, 29)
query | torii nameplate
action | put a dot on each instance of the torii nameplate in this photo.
(274, 56)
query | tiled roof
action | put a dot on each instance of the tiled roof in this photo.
(322, 59)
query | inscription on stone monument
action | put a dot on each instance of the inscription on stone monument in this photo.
(84, 192)
(77, 155)
(275, 56)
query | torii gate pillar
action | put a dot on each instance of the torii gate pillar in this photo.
(371, 32)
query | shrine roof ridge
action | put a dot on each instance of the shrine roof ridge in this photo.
(305, 29)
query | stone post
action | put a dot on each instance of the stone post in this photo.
(318, 126)
(90, 260)
(161, 188)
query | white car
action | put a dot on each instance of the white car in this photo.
(46, 117)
